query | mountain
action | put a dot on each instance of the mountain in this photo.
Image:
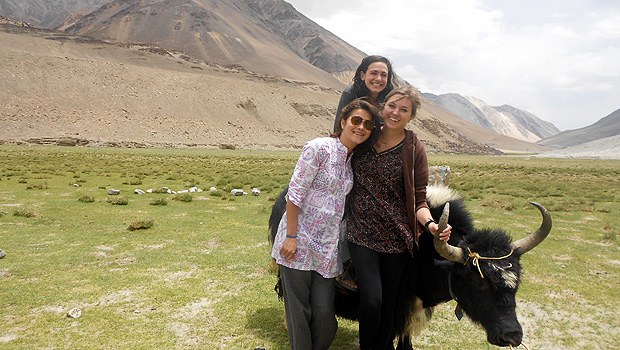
(505, 120)
(13, 22)
(605, 148)
(262, 36)
(46, 13)
(604, 128)
(71, 90)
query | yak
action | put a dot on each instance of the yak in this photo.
(478, 268)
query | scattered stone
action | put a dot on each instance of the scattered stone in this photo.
(195, 189)
(212, 189)
(2, 254)
(150, 190)
(255, 191)
(183, 191)
(113, 192)
(238, 192)
(138, 191)
(76, 185)
(74, 313)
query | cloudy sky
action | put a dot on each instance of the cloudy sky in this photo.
(558, 59)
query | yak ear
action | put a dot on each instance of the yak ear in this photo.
(443, 263)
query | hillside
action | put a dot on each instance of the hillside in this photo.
(604, 128)
(46, 14)
(262, 36)
(505, 120)
(64, 89)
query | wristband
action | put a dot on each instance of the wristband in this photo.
(428, 223)
(291, 236)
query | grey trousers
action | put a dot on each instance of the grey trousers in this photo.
(310, 310)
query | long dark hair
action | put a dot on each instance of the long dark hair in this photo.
(359, 87)
(361, 103)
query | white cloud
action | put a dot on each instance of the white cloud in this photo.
(556, 59)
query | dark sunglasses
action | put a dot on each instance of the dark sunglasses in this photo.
(357, 120)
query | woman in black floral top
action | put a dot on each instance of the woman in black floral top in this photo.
(386, 215)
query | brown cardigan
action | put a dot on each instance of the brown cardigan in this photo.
(415, 172)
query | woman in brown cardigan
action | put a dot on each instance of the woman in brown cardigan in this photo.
(387, 213)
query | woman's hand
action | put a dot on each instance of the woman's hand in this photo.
(289, 247)
(444, 235)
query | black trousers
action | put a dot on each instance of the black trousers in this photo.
(378, 276)
(310, 310)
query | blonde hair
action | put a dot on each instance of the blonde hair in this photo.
(406, 92)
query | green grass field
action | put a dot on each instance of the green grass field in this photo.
(195, 272)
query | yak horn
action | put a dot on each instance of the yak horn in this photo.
(444, 249)
(533, 239)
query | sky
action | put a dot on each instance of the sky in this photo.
(557, 59)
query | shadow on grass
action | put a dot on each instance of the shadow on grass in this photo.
(267, 324)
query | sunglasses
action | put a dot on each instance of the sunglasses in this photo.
(357, 120)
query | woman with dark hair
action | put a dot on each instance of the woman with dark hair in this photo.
(306, 243)
(373, 80)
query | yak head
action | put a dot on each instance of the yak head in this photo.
(485, 275)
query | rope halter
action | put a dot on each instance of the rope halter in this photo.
(476, 259)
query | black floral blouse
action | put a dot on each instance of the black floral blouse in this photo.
(377, 215)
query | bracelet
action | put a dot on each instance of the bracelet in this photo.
(428, 223)
(291, 236)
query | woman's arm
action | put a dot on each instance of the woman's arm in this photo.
(423, 213)
(290, 242)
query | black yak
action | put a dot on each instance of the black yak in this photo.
(479, 268)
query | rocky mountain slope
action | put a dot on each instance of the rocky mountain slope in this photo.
(262, 36)
(605, 148)
(604, 128)
(46, 13)
(505, 120)
(65, 89)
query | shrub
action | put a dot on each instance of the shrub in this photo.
(86, 198)
(133, 182)
(158, 201)
(183, 197)
(141, 225)
(217, 193)
(24, 213)
(118, 201)
(191, 182)
(40, 186)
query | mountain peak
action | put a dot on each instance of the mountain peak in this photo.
(262, 36)
(505, 120)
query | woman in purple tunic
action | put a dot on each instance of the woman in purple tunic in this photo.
(306, 243)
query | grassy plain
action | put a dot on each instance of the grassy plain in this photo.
(194, 275)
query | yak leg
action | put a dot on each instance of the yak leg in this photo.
(418, 319)
(404, 343)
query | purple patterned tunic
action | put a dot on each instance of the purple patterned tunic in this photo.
(320, 183)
